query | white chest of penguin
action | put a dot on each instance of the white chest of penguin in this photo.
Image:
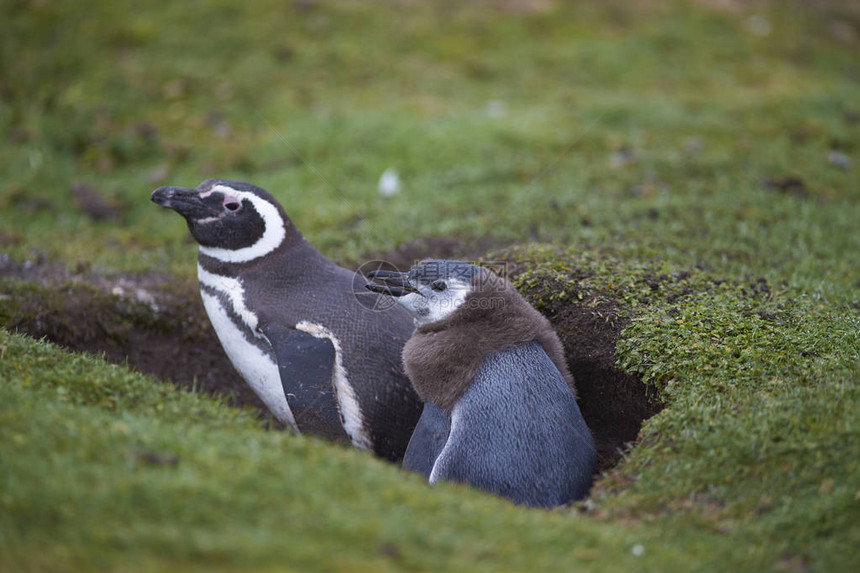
(236, 332)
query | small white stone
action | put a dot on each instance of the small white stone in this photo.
(496, 109)
(638, 550)
(35, 159)
(389, 183)
(759, 26)
(146, 298)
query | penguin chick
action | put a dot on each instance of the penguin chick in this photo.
(324, 359)
(500, 411)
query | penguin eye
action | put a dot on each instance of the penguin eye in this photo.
(232, 206)
(438, 286)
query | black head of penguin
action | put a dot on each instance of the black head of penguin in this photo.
(230, 215)
(463, 314)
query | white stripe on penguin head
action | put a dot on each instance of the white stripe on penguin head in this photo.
(273, 234)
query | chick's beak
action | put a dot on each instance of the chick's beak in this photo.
(392, 283)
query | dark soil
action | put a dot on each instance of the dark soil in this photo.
(157, 325)
(154, 323)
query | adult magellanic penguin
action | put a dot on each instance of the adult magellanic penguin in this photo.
(324, 360)
(500, 411)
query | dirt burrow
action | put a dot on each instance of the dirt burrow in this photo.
(156, 324)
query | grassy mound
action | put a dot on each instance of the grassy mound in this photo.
(103, 468)
(760, 430)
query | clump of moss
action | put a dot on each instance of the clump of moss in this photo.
(688, 326)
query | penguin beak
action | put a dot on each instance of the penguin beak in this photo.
(186, 202)
(393, 283)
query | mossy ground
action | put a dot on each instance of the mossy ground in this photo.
(689, 170)
(759, 433)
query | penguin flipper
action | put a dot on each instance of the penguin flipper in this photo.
(427, 441)
(306, 364)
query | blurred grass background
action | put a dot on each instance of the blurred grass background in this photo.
(638, 137)
(649, 125)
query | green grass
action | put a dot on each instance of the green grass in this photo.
(631, 141)
(760, 434)
(103, 467)
(315, 105)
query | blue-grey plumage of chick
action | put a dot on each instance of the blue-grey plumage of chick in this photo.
(500, 410)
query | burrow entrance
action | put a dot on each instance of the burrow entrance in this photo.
(614, 403)
(156, 324)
